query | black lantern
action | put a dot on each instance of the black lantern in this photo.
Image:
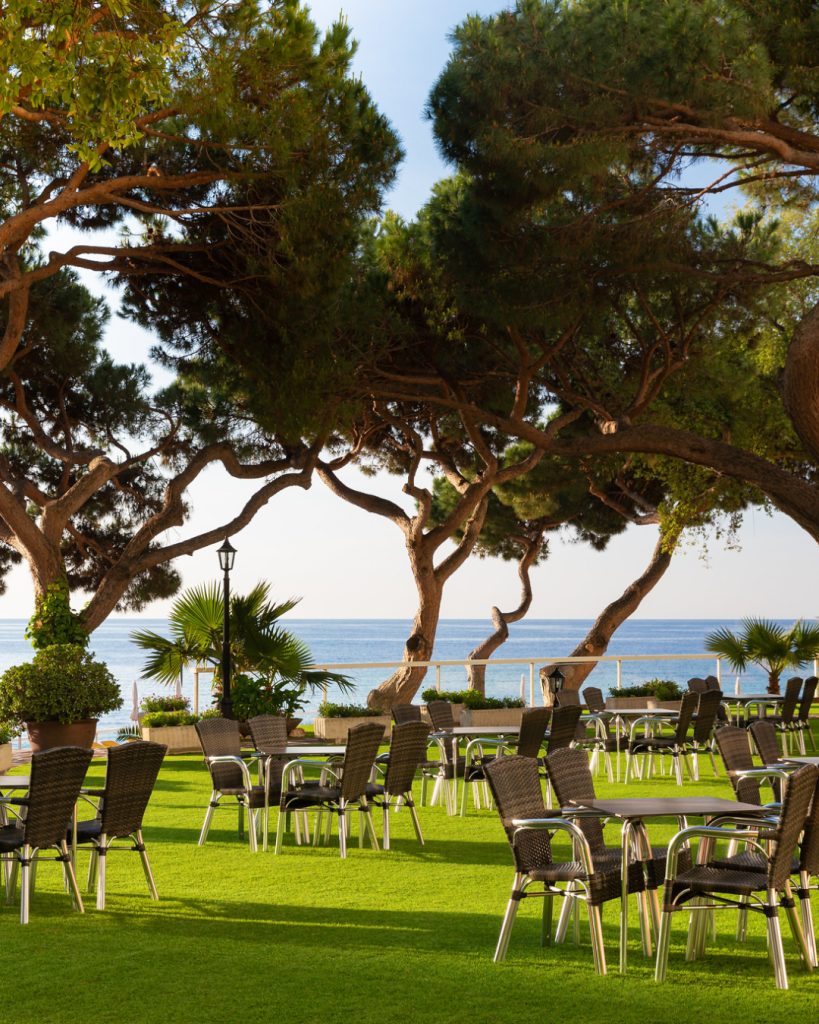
(556, 681)
(227, 556)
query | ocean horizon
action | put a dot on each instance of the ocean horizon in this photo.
(352, 641)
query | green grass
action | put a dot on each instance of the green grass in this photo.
(404, 936)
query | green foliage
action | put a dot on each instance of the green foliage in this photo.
(261, 695)
(53, 621)
(161, 703)
(8, 732)
(472, 699)
(327, 709)
(767, 644)
(662, 689)
(159, 719)
(61, 684)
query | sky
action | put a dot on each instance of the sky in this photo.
(346, 563)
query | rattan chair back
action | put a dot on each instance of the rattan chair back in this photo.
(792, 820)
(736, 756)
(408, 748)
(129, 781)
(572, 781)
(707, 710)
(688, 705)
(764, 736)
(712, 683)
(440, 714)
(809, 857)
(793, 689)
(515, 785)
(402, 713)
(564, 727)
(806, 700)
(269, 733)
(697, 685)
(593, 696)
(567, 698)
(533, 725)
(363, 742)
(57, 776)
(220, 737)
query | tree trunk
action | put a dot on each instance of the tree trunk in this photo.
(500, 620)
(773, 682)
(405, 682)
(597, 640)
(800, 391)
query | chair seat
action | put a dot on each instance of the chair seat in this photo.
(748, 860)
(11, 838)
(652, 743)
(707, 878)
(312, 796)
(255, 796)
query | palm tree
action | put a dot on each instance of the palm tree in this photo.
(261, 651)
(767, 644)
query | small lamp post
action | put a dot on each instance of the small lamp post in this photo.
(227, 556)
(556, 680)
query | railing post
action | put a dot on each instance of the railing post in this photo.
(523, 687)
(531, 684)
(619, 673)
(196, 690)
(719, 671)
(438, 678)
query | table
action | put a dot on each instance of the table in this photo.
(746, 700)
(632, 812)
(473, 731)
(803, 760)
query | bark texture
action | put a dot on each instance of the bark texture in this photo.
(801, 382)
(597, 640)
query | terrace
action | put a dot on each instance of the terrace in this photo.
(383, 936)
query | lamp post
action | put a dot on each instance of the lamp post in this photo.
(227, 556)
(556, 681)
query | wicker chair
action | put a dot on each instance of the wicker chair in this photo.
(607, 739)
(785, 720)
(515, 785)
(573, 784)
(56, 778)
(711, 887)
(697, 685)
(347, 789)
(222, 746)
(704, 723)
(562, 734)
(130, 777)
(744, 776)
(593, 696)
(445, 769)
(809, 869)
(801, 722)
(440, 714)
(764, 736)
(408, 748)
(405, 713)
(677, 745)
(533, 725)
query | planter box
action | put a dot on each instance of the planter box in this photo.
(179, 739)
(5, 757)
(336, 729)
(492, 716)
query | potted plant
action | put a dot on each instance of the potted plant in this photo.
(7, 734)
(470, 707)
(656, 693)
(334, 721)
(169, 720)
(58, 696)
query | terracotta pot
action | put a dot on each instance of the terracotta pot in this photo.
(44, 735)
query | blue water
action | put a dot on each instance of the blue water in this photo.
(379, 640)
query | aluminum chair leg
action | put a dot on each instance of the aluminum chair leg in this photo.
(565, 914)
(546, 920)
(214, 803)
(807, 916)
(799, 936)
(775, 943)
(280, 830)
(386, 829)
(102, 851)
(663, 943)
(251, 830)
(91, 881)
(146, 865)
(368, 817)
(72, 878)
(416, 824)
(508, 919)
(342, 829)
(25, 879)
(598, 948)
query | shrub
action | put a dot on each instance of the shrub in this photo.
(62, 683)
(212, 713)
(330, 710)
(472, 699)
(256, 695)
(8, 732)
(662, 689)
(158, 719)
(156, 703)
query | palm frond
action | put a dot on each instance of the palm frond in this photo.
(729, 646)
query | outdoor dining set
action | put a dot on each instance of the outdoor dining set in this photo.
(748, 853)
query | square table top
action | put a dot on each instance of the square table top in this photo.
(671, 807)
(645, 712)
(15, 781)
(803, 760)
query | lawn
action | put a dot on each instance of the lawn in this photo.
(405, 936)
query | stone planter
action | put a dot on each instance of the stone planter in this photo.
(179, 739)
(492, 716)
(336, 729)
(45, 735)
(5, 757)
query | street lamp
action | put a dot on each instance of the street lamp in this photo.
(556, 680)
(227, 556)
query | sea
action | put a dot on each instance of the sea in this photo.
(341, 642)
